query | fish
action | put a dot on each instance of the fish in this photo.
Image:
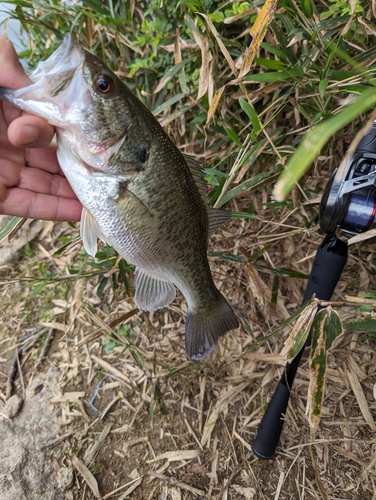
(139, 193)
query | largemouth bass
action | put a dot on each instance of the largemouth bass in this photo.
(139, 193)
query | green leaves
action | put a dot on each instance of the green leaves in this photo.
(252, 184)
(252, 115)
(316, 138)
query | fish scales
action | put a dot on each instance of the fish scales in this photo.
(138, 192)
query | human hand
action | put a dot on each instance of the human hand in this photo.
(31, 182)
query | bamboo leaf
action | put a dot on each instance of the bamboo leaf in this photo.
(87, 475)
(167, 104)
(365, 325)
(296, 340)
(249, 185)
(322, 87)
(270, 77)
(334, 327)
(203, 44)
(252, 115)
(233, 136)
(168, 75)
(214, 104)
(307, 8)
(317, 370)
(326, 327)
(257, 32)
(222, 46)
(315, 139)
(9, 227)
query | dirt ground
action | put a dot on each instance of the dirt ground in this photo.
(124, 414)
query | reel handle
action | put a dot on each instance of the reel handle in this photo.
(327, 268)
(349, 199)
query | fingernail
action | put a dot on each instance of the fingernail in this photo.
(27, 134)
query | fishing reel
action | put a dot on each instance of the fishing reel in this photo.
(349, 200)
(348, 206)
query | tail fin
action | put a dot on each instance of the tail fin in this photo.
(204, 327)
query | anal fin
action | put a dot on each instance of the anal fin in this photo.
(152, 293)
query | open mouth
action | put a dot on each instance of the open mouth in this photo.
(66, 58)
(57, 83)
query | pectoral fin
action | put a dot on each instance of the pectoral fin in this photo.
(90, 232)
(152, 293)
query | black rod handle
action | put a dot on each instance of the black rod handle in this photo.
(327, 268)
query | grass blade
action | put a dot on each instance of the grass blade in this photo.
(315, 139)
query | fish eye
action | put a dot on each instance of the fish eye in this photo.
(105, 84)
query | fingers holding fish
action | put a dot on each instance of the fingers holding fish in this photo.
(13, 174)
(35, 193)
(31, 181)
(30, 131)
(33, 205)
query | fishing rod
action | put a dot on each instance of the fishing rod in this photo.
(348, 207)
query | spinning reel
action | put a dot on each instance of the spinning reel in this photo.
(348, 206)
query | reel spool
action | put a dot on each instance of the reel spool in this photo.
(349, 199)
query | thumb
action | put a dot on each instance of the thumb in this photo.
(12, 73)
(24, 130)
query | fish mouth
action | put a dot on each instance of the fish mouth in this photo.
(57, 83)
(66, 58)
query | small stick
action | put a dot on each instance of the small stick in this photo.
(101, 331)
(21, 376)
(56, 441)
(40, 330)
(229, 481)
(179, 484)
(12, 373)
(16, 359)
(46, 345)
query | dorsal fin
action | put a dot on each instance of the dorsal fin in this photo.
(215, 217)
(195, 168)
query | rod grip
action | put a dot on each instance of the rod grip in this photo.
(327, 268)
(326, 271)
(269, 431)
